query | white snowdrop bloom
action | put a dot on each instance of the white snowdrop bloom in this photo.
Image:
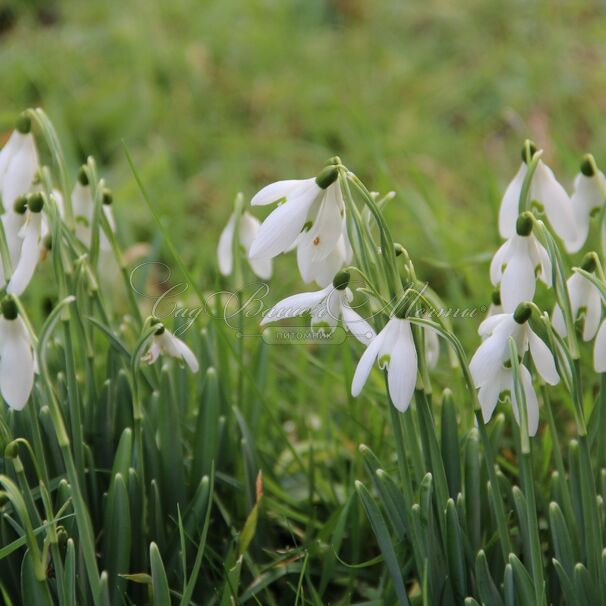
(322, 271)
(490, 368)
(312, 217)
(599, 349)
(248, 229)
(588, 196)
(165, 343)
(17, 360)
(545, 189)
(18, 164)
(327, 306)
(585, 303)
(395, 350)
(517, 264)
(31, 243)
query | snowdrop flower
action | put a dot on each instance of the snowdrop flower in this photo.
(491, 371)
(327, 306)
(585, 303)
(83, 205)
(395, 351)
(517, 263)
(17, 361)
(248, 229)
(18, 164)
(164, 342)
(545, 189)
(322, 271)
(31, 240)
(588, 196)
(311, 218)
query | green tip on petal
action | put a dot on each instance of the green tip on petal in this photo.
(522, 313)
(524, 224)
(496, 297)
(35, 202)
(528, 151)
(20, 205)
(9, 308)
(588, 165)
(107, 197)
(341, 280)
(83, 176)
(589, 262)
(24, 124)
(328, 175)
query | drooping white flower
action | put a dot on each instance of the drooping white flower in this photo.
(395, 350)
(165, 343)
(327, 307)
(545, 189)
(490, 368)
(517, 264)
(588, 196)
(585, 303)
(248, 229)
(31, 242)
(18, 164)
(17, 361)
(312, 218)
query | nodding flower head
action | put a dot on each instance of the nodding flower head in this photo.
(165, 343)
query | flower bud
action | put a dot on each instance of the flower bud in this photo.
(589, 262)
(524, 224)
(12, 450)
(83, 176)
(528, 151)
(62, 536)
(35, 202)
(107, 197)
(9, 308)
(495, 297)
(328, 175)
(341, 280)
(522, 313)
(20, 205)
(23, 124)
(588, 165)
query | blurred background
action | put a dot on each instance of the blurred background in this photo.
(429, 99)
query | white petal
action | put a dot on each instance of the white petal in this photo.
(489, 358)
(320, 271)
(30, 254)
(20, 172)
(541, 257)
(16, 367)
(356, 325)
(509, 211)
(328, 225)
(366, 363)
(281, 228)
(543, 359)
(402, 368)
(225, 247)
(498, 261)
(488, 326)
(283, 189)
(488, 395)
(532, 404)
(593, 315)
(599, 349)
(328, 311)
(546, 189)
(187, 355)
(249, 227)
(152, 353)
(295, 305)
(518, 283)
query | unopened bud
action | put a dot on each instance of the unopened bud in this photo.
(341, 280)
(12, 450)
(524, 224)
(589, 262)
(522, 313)
(9, 308)
(528, 151)
(23, 124)
(328, 175)
(35, 202)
